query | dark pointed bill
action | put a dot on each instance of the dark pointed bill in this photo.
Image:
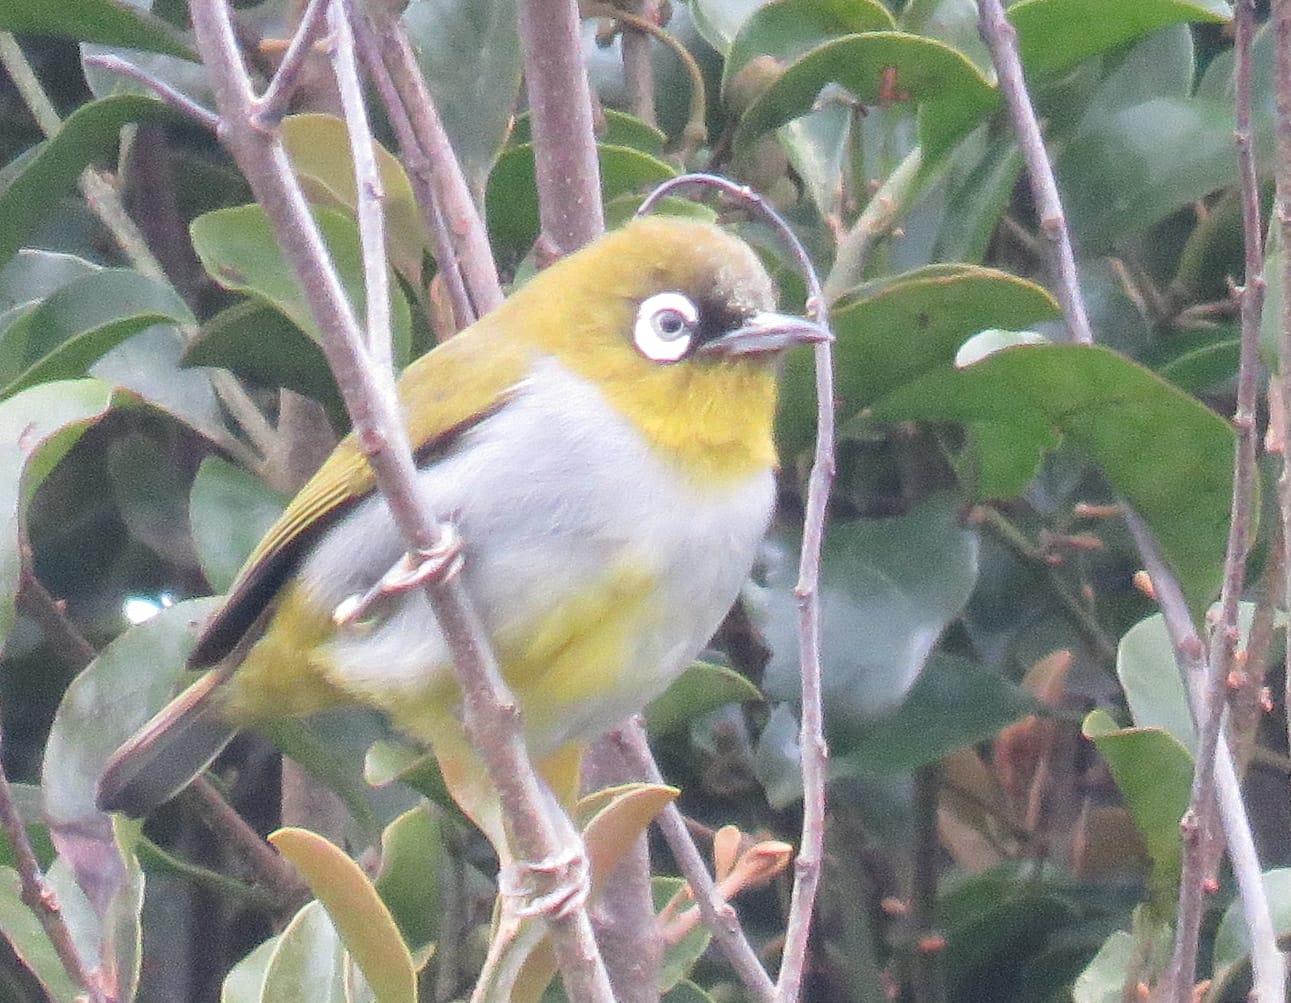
(767, 332)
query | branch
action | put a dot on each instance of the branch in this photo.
(272, 105)
(39, 897)
(719, 916)
(1210, 704)
(564, 144)
(1190, 656)
(490, 713)
(1001, 39)
(442, 190)
(1281, 14)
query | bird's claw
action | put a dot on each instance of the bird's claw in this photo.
(417, 567)
(552, 887)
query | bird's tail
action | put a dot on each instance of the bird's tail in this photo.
(164, 756)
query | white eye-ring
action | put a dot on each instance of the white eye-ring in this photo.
(665, 326)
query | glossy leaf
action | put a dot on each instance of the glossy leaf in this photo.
(412, 849)
(618, 129)
(308, 963)
(1154, 774)
(888, 589)
(319, 147)
(151, 494)
(37, 428)
(1149, 674)
(29, 191)
(719, 21)
(245, 981)
(699, 690)
(881, 68)
(361, 919)
(80, 322)
(469, 53)
(1163, 451)
(1054, 35)
(107, 21)
(33, 275)
(785, 29)
(954, 703)
(260, 344)
(230, 510)
(512, 199)
(893, 330)
(238, 249)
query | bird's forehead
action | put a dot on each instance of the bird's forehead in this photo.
(719, 270)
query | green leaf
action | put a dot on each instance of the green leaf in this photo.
(955, 702)
(238, 249)
(719, 21)
(469, 53)
(1149, 675)
(33, 275)
(151, 493)
(308, 964)
(245, 981)
(1154, 773)
(895, 329)
(1103, 980)
(364, 923)
(27, 938)
(80, 322)
(1163, 451)
(49, 171)
(319, 147)
(888, 589)
(260, 344)
(37, 428)
(699, 690)
(618, 129)
(880, 68)
(512, 200)
(1132, 168)
(785, 29)
(412, 851)
(230, 510)
(1232, 942)
(106, 21)
(1196, 360)
(1054, 35)
(678, 958)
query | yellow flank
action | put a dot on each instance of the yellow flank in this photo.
(281, 676)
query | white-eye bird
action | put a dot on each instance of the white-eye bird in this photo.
(602, 443)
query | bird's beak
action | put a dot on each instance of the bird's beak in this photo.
(767, 332)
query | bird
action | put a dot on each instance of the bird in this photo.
(601, 444)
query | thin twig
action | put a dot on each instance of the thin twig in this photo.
(430, 154)
(420, 174)
(1226, 634)
(719, 915)
(272, 105)
(271, 871)
(1190, 656)
(877, 218)
(638, 71)
(367, 185)
(39, 897)
(537, 831)
(1001, 39)
(175, 98)
(1281, 14)
(560, 110)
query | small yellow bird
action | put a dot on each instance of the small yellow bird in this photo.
(602, 443)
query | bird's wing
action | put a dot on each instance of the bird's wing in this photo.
(455, 386)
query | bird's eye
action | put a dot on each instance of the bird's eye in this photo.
(665, 327)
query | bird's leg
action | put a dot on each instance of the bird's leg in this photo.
(417, 567)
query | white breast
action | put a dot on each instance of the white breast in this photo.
(547, 494)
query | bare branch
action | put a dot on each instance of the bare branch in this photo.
(536, 831)
(40, 898)
(176, 99)
(272, 105)
(560, 107)
(719, 916)
(1001, 39)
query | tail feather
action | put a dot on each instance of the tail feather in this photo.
(164, 756)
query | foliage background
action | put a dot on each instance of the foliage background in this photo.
(978, 589)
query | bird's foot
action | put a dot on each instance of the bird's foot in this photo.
(552, 887)
(417, 567)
